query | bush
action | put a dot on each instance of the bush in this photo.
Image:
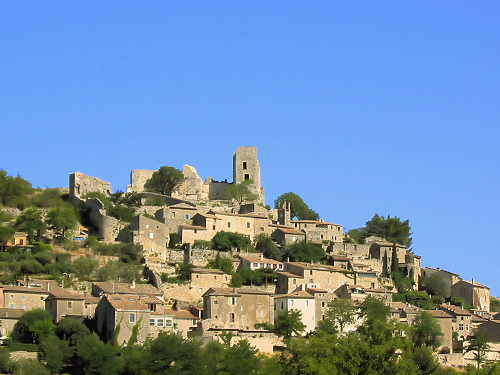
(85, 267)
(184, 271)
(303, 251)
(225, 241)
(202, 244)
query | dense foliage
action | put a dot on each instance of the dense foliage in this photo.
(164, 181)
(391, 228)
(298, 209)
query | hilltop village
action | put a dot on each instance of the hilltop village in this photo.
(196, 288)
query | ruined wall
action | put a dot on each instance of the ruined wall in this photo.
(356, 251)
(138, 178)
(193, 188)
(216, 189)
(109, 227)
(81, 184)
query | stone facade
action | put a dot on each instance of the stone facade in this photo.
(445, 321)
(319, 276)
(298, 300)
(8, 319)
(203, 279)
(319, 231)
(150, 233)
(473, 293)
(64, 304)
(237, 309)
(24, 298)
(81, 184)
(449, 278)
(138, 178)
(246, 167)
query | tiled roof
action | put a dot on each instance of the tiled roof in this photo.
(291, 231)
(317, 266)
(288, 274)
(65, 294)
(438, 314)
(298, 294)
(23, 289)
(208, 271)
(252, 258)
(127, 303)
(455, 310)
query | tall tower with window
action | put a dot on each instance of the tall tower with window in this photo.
(246, 167)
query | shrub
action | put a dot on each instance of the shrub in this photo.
(225, 241)
(202, 244)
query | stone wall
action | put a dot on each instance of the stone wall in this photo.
(109, 227)
(138, 178)
(216, 189)
(81, 184)
(246, 167)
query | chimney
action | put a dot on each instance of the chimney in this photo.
(261, 257)
(288, 259)
(133, 284)
(472, 281)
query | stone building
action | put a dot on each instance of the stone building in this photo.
(65, 304)
(237, 309)
(18, 239)
(255, 262)
(445, 321)
(21, 297)
(8, 319)
(473, 293)
(286, 235)
(203, 279)
(312, 275)
(102, 288)
(81, 184)
(319, 231)
(300, 300)
(150, 233)
(461, 321)
(246, 167)
(449, 278)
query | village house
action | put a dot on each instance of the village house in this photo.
(203, 279)
(300, 300)
(18, 239)
(253, 263)
(319, 231)
(65, 304)
(461, 324)
(472, 293)
(150, 233)
(236, 308)
(167, 320)
(322, 276)
(8, 319)
(449, 278)
(21, 297)
(286, 235)
(445, 321)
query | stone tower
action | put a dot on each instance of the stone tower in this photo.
(246, 167)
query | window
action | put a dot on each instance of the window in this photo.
(70, 304)
(248, 225)
(216, 302)
(229, 224)
(151, 235)
(131, 318)
(231, 317)
(23, 307)
(11, 306)
(213, 227)
(310, 272)
(244, 165)
(152, 322)
(232, 300)
(460, 327)
(173, 214)
(159, 322)
(247, 176)
(187, 216)
(147, 226)
(23, 297)
(168, 322)
(11, 296)
(322, 305)
(260, 314)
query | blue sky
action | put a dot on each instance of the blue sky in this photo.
(358, 107)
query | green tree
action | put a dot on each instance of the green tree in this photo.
(391, 228)
(14, 191)
(71, 330)
(29, 367)
(184, 271)
(340, 313)
(6, 234)
(55, 353)
(27, 329)
(225, 241)
(164, 181)
(434, 285)
(478, 345)
(268, 248)
(426, 331)
(94, 357)
(241, 192)
(289, 323)
(62, 219)
(298, 209)
(223, 264)
(303, 251)
(48, 198)
(31, 222)
(85, 267)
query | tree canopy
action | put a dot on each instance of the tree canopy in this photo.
(303, 251)
(289, 323)
(164, 181)
(241, 192)
(62, 219)
(298, 209)
(14, 191)
(391, 228)
(426, 331)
